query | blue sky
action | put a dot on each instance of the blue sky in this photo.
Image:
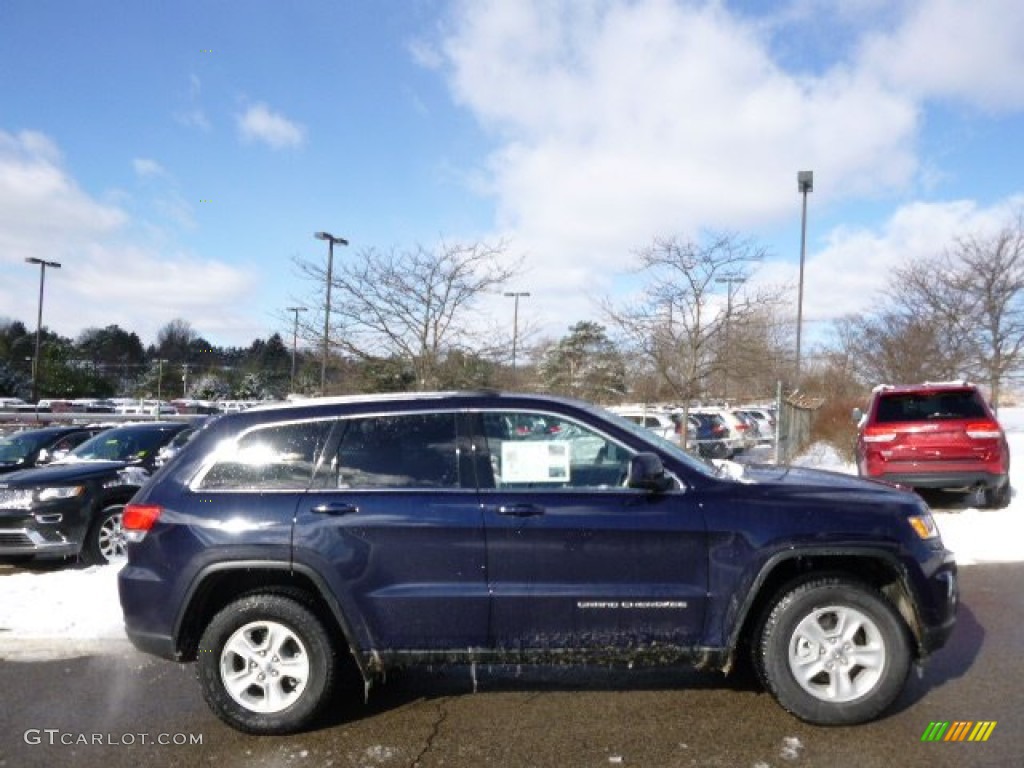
(176, 157)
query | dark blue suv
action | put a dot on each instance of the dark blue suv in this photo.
(285, 541)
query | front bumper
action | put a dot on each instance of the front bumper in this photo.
(944, 594)
(21, 542)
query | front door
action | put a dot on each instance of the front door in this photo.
(576, 561)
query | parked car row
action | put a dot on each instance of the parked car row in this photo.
(712, 432)
(127, 405)
(63, 489)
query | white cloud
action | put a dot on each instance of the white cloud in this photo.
(969, 51)
(259, 123)
(109, 275)
(41, 207)
(851, 272)
(619, 121)
(145, 166)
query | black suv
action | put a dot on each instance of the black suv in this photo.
(36, 447)
(283, 542)
(73, 506)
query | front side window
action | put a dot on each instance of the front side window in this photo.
(396, 451)
(555, 453)
(281, 457)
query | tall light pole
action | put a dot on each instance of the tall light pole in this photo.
(295, 341)
(805, 184)
(515, 295)
(159, 387)
(730, 282)
(331, 240)
(39, 321)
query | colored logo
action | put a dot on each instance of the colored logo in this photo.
(959, 730)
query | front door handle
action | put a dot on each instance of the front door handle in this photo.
(335, 508)
(520, 510)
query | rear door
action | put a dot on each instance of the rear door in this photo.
(575, 560)
(393, 521)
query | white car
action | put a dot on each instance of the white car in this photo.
(765, 418)
(657, 420)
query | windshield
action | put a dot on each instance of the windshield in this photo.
(121, 444)
(663, 444)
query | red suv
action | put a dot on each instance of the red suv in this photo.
(935, 435)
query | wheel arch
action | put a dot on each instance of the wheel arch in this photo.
(219, 584)
(877, 568)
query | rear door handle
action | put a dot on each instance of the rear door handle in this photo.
(520, 510)
(335, 508)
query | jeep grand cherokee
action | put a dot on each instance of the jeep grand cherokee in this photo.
(284, 542)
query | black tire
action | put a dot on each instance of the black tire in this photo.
(849, 641)
(281, 649)
(998, 498)
(104, 541)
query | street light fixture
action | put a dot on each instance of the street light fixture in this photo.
(295, 341)
(331, 240)
(515, 326)
(805, 184)
(39, 321)
(730, 282)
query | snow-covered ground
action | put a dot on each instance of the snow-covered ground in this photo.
(74, 611)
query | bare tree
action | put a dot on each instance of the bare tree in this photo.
(678, 322)
(895, 346)
(416, 305)
(966, 308)
(992, 275)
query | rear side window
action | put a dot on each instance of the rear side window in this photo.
(398, 451)
(930, 406)
(281, 457)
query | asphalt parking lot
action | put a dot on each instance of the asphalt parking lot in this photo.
(124, 709)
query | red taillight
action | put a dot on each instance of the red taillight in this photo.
(984, 430)
(878, 435)
(140, 517)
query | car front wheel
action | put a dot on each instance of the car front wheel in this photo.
(104, 542)
(266, 664)
(834, 652)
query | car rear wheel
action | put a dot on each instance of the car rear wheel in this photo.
(266, 664)
(999, 497)
(104, 543)
(834, 652)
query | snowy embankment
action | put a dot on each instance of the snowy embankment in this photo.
(73, 611)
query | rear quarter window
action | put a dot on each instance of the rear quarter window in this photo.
(930, 406)
(276, 457)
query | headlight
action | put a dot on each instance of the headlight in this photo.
(48, 494)
(924, 526)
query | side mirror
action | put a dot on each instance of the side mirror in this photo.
(646, 472)
(857, 414)
(44, 457)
